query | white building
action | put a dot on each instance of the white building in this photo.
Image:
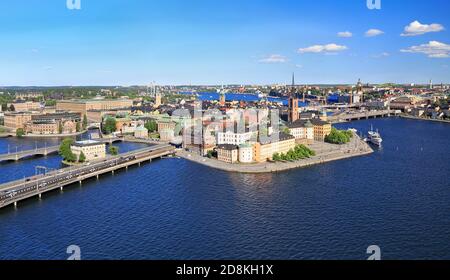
(246, 153)
(233, 138)
(141, 132)
(302, 130)
(91, 149)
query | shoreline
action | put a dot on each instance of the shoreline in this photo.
(54, 135)
(337, 153)
(423, 119)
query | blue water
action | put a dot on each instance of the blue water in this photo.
(397, 198)
(211, 96)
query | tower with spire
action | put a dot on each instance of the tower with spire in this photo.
(293, 102)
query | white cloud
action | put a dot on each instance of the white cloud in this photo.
(274, 58)
(415, 28)
(374, 32)
(299, 66)
(433, 49)
(345, 34)
(328, 49)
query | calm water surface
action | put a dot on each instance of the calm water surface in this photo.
(397, 198)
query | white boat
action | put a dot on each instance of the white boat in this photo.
(374, 137)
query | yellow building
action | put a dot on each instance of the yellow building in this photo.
(228, 153)
(264, 150)
(83, 106)
(92, 150)
(321, 129)
(42, 127)
(14, 121)
(25, 106)
(166, 129)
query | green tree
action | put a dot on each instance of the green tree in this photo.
(12, 108)
(82, 158)
(113, 150)
(338, 136)
(85, 122)
(65, 150)
(276, 157)
(151, 125)
(110, 125)
(78, 127)
(20, 132)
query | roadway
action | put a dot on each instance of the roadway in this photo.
(46, 150)
(15, 191)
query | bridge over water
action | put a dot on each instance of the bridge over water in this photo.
(18, 155)
(13, 192)
(352, 116)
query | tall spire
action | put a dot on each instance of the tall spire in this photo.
(293, 79)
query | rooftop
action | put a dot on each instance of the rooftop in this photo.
(86, 143)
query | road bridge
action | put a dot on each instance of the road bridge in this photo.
(18, 155)
(13, 192)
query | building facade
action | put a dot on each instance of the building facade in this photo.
(246, 153)
(264, 150)
(92, 150)
(14, 121)
(303, 131)
(321, 129)
(228, 153)
(83, 106)
(25, 106)
(233, 138)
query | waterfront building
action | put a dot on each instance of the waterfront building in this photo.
(47, 127)
(141, 132)
(403, 103)
(234, 138)
(303, 131)
(321, 129)
(92, 150)
(14, 121)
(83, 106)
(228, 153)
(246, 153)
(25, 106)
(265, 149)
(166, 129)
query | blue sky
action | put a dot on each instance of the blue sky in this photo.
(127, 42)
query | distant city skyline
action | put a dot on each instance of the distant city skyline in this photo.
(200, 42)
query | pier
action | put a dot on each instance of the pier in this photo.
(13, 192)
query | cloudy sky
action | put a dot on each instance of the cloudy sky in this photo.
(118, 42)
